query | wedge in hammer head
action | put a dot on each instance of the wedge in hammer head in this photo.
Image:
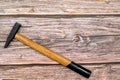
(12, 34)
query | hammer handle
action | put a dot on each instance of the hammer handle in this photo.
(53, 55)
(45, 51)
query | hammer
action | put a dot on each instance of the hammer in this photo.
(45, 51)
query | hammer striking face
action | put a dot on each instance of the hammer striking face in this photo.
(45, 51)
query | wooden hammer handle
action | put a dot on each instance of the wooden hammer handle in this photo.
(43, 50)
(54, 56)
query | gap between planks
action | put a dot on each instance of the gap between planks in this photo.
(101, 63)
(57, 15)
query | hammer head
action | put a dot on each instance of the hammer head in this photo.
(12, 34)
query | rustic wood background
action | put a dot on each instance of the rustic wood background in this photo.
(86, 31)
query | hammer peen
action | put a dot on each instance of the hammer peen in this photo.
(45, 51)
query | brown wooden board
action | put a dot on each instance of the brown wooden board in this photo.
(82, 39)
(57, 72)
(48, 7)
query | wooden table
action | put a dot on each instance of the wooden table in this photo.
(86, 31)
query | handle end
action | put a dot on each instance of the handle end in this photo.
(79, 69)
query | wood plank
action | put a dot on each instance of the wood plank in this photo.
(43, 7)
(57, 72)
(84, 40)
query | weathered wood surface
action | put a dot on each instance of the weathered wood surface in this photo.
(86, 31)
(67, 36)
(57, 72)
(84, 40)
(59, 7)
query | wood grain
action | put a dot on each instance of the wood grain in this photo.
(47, 7)
(57, 72)
(82, 39)
(85, 31)
(43, 50)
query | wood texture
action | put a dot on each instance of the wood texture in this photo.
(56, 72)
(59, 7)
(84, 40)
(43, 50)
(86, 31)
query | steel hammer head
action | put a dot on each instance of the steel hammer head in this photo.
(12, 34)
